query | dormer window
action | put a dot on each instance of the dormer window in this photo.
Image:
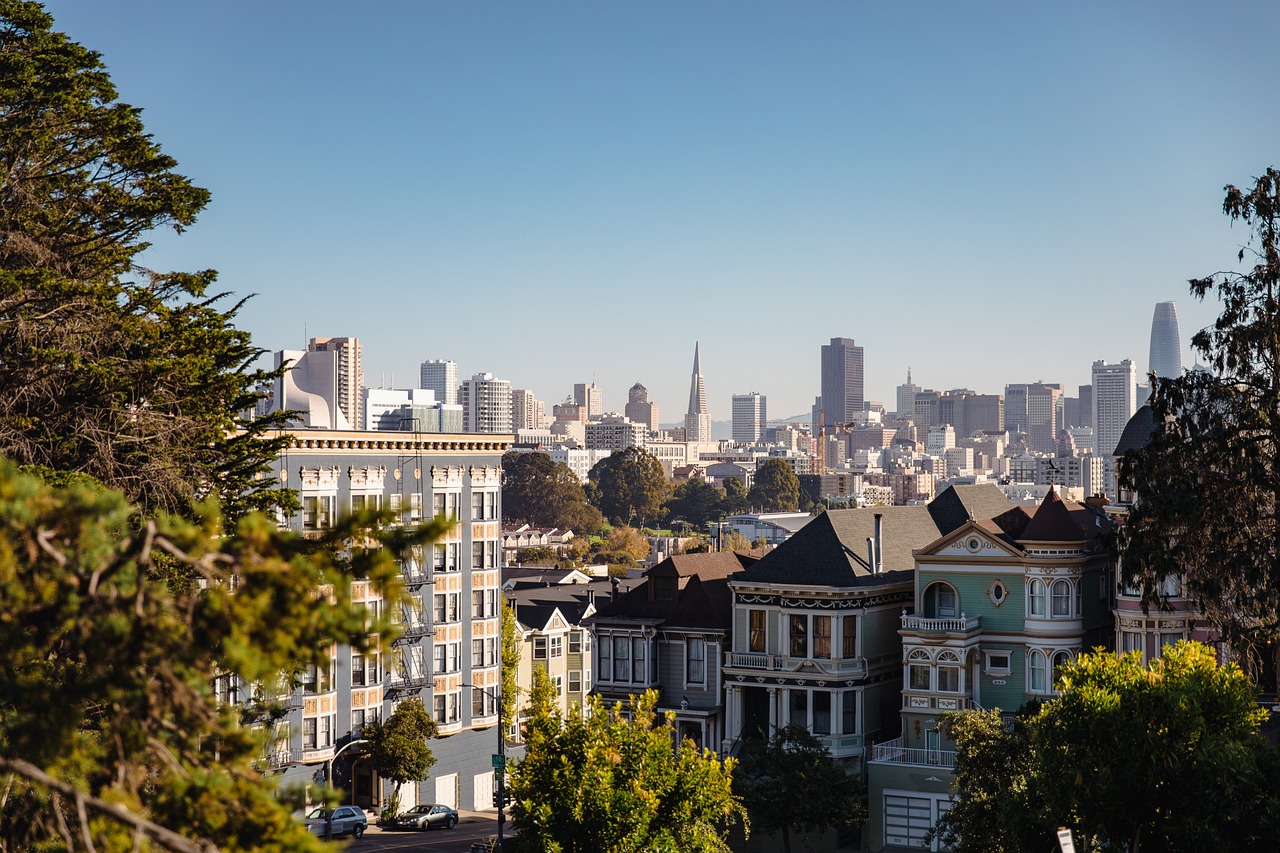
(664, 588)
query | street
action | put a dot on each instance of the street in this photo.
(472, 826)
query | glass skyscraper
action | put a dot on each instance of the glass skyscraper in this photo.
(1166, 342)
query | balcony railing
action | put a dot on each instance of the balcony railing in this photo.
(893, 752)
(753, 660)
(951, 625)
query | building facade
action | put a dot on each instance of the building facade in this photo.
(350, 374)
(842, 382)
(1166, 342)
(749, 415)
(440, 376)
(640, 410)
(697, 420)
(486, 404)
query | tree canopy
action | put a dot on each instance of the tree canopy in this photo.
(1166, 757)
(116, 625)
(543, 493)
(399, 745)
(776, 487)
(1209, 480)
(696, 502)
(610, 782)
(791, 784)
(630, 487)
(135, 377)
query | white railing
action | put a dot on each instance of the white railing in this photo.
(895, 753)
(956, 624)
(751, 660)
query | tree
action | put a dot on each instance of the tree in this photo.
(625, 546)
(776, 487)
(399, 745)
(791, 783)
(135, 377)
(543, 493)
(543, 555)
(610, 780)
(1220, 427)
(115, 626)
(629, 486)
(696, 502)
(511, 645)
(735, 497)
(1163, 758)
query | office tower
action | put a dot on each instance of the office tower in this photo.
(1166, 342)
(309, 389)
(841, 381)
(1044, 412)
(526, 411)
(639, 409)
(1015, 407)
(350, 375)
(442, 377)
(925, 412)
(1086, 406)
(748, 416)
(589, 394)
(697, 421)
(976, 412)
(907, 397)
(1114, 402)
(486, 404)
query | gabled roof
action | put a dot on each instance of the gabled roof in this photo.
(702, 599)
(831, 550)
(536, 606)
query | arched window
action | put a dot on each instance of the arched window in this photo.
(1060, 659)
(1061, 598)
(1037, 667)
(1037, 596)
(949, 672)
(941, 601)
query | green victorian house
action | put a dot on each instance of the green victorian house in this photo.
(1000, 604)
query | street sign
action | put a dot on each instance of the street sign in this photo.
(499, 761)
(1065, 841)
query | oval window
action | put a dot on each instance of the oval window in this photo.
(998, 592)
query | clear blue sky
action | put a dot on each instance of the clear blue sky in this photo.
(551, 191)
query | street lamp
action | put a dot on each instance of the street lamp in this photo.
(501, 767)
(328, 781)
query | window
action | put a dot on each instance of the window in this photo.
(998, 663)
(360, 502)
(948, 679)
(1171, 587)
(438, 606)
(477, 506)
(1060, 659)
(1168, 640)
(1037, 667)
(477, 555)
(491, 651)
(755, 631)
(317, 511)
(438, 557)
(1061, 598)
(477, 604)
(477, 653)
(639, 672)
(491, 602)
(947, 602)
(575, 642)
(309, 733)
(1131, 641)
(575, 681)
(325, 737)
(437, 504)
(696, 661)
(455, 701)
(1037, 596)
(821, 712)
(799, 636)
(849, 637)
(849, 712)
(415, 506)
(798, 700)
(605, 659)
(440, 656)
(919, 676)
(451, 562)
(822, 636)
(558, 681)
(556, 646)
(477, 703)
(393, 502)
(622, 658)
(664, 588)
(357, 670)
(439, 708)
(357, 720)
(452, 612)
(539, 648)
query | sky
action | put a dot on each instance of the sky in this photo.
(561, 192)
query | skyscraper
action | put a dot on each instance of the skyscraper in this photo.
(1166, 342)
(1044, 403)
(697, 421)
(907, 398)
(589, 394)
(748, 416)
(442, 377)
(1114, 402)
(640, 410)
(841, 381)
(486, 404)
(526, 411)
(350, 375)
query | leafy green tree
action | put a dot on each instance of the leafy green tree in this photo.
(776, 487)
(696, 502)
(399, 745)
(611, 782)
(511, 644)
(1160, 758)
(629, 487)
(735, 497)
(543, 555)
(135, 377)
(791, 784)
(543, 493)
(110, 732)
(1215, 427)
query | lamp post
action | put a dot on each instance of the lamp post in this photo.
(501, 767)
(328, 781)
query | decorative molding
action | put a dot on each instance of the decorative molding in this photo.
(367, 477)
(324, 477)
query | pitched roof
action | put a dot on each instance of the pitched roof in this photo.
(703, 599)
(1052, 522)
(957, 504)
(1137, 432)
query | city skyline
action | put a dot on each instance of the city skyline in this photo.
(972, 188)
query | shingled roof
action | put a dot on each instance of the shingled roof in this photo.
(831, 550)
(701, 600)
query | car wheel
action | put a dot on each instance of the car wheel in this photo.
(357, 830)
(451, 822)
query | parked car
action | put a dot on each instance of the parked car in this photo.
(346, 820)
(424, 816)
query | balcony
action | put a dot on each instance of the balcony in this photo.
(833, 667)
(413, 630)
(918, 624)
(753, 660)
(893, 752)
(922, 701)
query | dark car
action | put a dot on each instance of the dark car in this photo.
(424, 816)
(344, 820)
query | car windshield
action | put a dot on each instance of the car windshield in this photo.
(419, 810)
(319, 814)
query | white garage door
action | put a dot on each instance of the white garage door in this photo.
(447, 790)
(483, 791)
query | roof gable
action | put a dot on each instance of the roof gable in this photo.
(980, 539)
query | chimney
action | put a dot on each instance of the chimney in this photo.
(613, 582)
(879, 543)
(591, 597)
(871, 554)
